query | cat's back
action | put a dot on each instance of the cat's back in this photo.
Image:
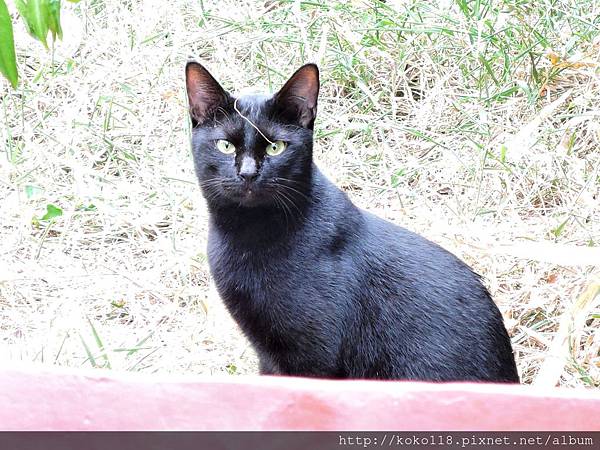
(376, 243)
(416, 288)
(381, 246)
(418, 258)
(420, 275)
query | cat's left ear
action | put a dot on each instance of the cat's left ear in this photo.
(205, 94)
(298, 97)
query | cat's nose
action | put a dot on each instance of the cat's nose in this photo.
(248, 176)
(248, 170)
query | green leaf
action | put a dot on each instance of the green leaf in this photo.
(31, 191)
(54, 18)
(24, 12)
(559, 229)
(8, 60)
(35, 13)
(52, 212)
(503, 151)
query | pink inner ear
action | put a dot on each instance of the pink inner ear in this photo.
(303, 84)
(300, 93)
(204, 92)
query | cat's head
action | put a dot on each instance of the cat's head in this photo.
(257, 149)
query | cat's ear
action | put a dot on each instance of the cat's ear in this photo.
(298, 96)
(205, 94)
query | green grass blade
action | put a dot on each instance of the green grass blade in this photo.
(88, 352)
(99, 344)
(8, 60)
(140, 343)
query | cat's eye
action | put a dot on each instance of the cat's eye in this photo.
(276, 148)
(225, 146)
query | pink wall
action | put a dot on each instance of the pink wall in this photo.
(56, 399)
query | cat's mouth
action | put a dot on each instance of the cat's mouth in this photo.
(247, 194)
(244, 193)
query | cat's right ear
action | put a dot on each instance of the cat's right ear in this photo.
(205, 94)
(298, 97)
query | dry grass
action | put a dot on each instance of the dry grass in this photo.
(473, 123)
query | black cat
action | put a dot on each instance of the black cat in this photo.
(320, 287)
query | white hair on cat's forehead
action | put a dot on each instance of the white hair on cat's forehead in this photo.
(251, 90)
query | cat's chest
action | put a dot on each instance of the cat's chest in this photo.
(249, 272)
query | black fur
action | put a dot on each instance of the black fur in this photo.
(320, 287)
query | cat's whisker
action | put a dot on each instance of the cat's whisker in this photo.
(287, 180)
(293, 190)
(211, 188)
(223, 111)
(291, 201)
(283, 208)
(211, 195)
(289, 214)
(212, 182)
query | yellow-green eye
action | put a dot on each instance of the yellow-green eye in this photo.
(276, 148)
(225, 146)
